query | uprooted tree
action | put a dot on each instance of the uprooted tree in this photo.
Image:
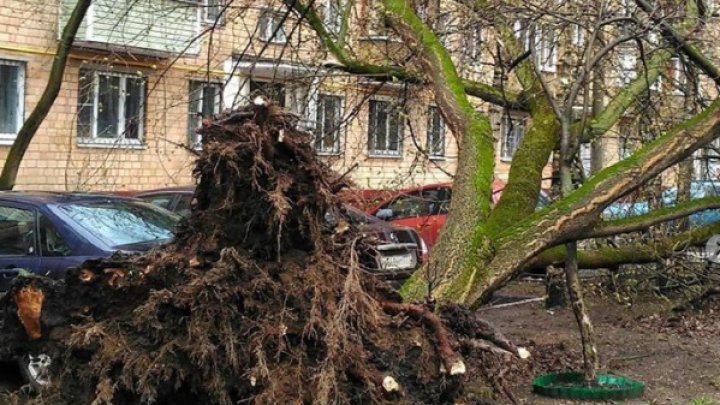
(259, 298)
(308, 318)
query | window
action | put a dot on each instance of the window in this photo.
(586, 158)
(545, 55)
(52, 243)
(110, 107)
(17, 231)
(513, 130)
(443, 28)
(121, 223)
(435, 133)
(334, 10)
(160, 200)
(327, 127)
(577, 35)
(542, 41)
(625, 142)
(678, 76)
(205, 100)
(627, 62)
(12, 98)
(707, 162)
(472, 45)
(419, 203)
(384, 129)
(271, 28)
(270, 90)
(212, 11)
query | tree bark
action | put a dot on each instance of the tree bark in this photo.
(463, 242)
(574, 287)
(29, 128)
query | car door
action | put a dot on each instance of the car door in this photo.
(18, 245)
(59, 248)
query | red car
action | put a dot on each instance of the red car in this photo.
(425, 208)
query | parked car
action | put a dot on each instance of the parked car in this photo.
(668, 198)
(425, 208)
(401, 249)
(47, 233)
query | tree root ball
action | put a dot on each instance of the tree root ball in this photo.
(257, 300)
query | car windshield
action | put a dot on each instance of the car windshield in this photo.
(359, 217)
(119, 223)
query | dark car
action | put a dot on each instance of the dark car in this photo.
(401, 249)
(46, 233)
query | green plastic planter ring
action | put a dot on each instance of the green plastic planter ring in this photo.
(570, 386)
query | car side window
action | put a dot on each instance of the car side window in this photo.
(51, 242)
(17, 231)
(405, 206)
(183, 205)
(161, 200)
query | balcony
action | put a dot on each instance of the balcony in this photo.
(159, 28)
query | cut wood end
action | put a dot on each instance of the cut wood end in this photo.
(523, 353)
(390, 385)
(86, 275)
(259, 101)
(253, 381)
(29, 302)
(194, 262)
(457, 368)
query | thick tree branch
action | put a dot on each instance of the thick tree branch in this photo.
(635, 253)
(569, 217)
(41, 110)
(643, 222)
(463, 235)
(350, 64)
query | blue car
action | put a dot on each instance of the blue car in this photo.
(698, 189)
(46, 233)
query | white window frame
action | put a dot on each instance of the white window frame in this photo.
(9, 138)
(387, 153)
(337, 145)
(577, 35)
(206, 11)
(678, 76)
(119, 139)
(626, 145)
(194, 139)
(473, 42)
(585, 155)
(272, 20)
(333, 16)
(516, 122)
(627, 66)
(432, 111)
(545, 49)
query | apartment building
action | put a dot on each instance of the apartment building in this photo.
(142, 75)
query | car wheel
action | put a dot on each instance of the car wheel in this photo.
(35, 369)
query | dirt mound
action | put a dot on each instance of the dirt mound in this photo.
(264, 297)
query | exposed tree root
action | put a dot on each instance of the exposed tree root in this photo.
(258, 300)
